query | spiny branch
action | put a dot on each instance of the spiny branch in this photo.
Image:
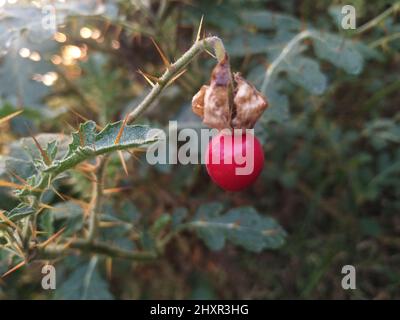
(174, 69)
(95, 247)
(91, 245)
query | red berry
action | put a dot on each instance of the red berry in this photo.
(234, 162)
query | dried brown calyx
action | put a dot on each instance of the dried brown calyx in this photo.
(227, 103)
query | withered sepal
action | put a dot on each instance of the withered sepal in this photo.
(212, 103)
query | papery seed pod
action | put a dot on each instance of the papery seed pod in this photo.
(212, 102)
(249, 104)
(198, 101)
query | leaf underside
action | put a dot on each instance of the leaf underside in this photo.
(242, 226)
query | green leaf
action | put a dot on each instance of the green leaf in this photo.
(382, 132)
(24, 154)
(129, 212)
(21, 167)
(210, 209)
(340, 52)
(278, 109)
(124, 220)
(18, 213)
(86, 144)
(85, 136)
(25, 148)
(85, 283)
(160, 224)
(69, 215)
(178, 216)
(370, 227)
(52, 149)
(210, 234)
(132, 136)
(242, 226)
(306, 73)
(247, 43)
(46, 222)
(336, 14)
(268, 20)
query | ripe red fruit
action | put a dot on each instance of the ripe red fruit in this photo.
(234, 162)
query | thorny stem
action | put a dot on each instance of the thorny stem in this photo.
(95, 247)
(174, 69)
(97, 196)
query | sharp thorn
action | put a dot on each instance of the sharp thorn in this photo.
(146, 78)
(121, 158)
(10, 116)
(42, 152)
(199, 30)
(121, 130)
(176, 77)
(19, 265)
(161, 53)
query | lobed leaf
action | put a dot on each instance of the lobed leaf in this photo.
(306, 73)
(85, 283)
(339, 51)
(243, 226)
(86, 143)
(21, 211)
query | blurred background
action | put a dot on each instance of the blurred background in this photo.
(331, 140)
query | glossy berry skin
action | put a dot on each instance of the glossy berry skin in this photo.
(223, 169)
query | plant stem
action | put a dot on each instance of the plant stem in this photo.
(164, 241)
(96, 200)
(88, 276)
(380, 95)
(96, 247)
(173, 70)
(286, 50)
(385, 40)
